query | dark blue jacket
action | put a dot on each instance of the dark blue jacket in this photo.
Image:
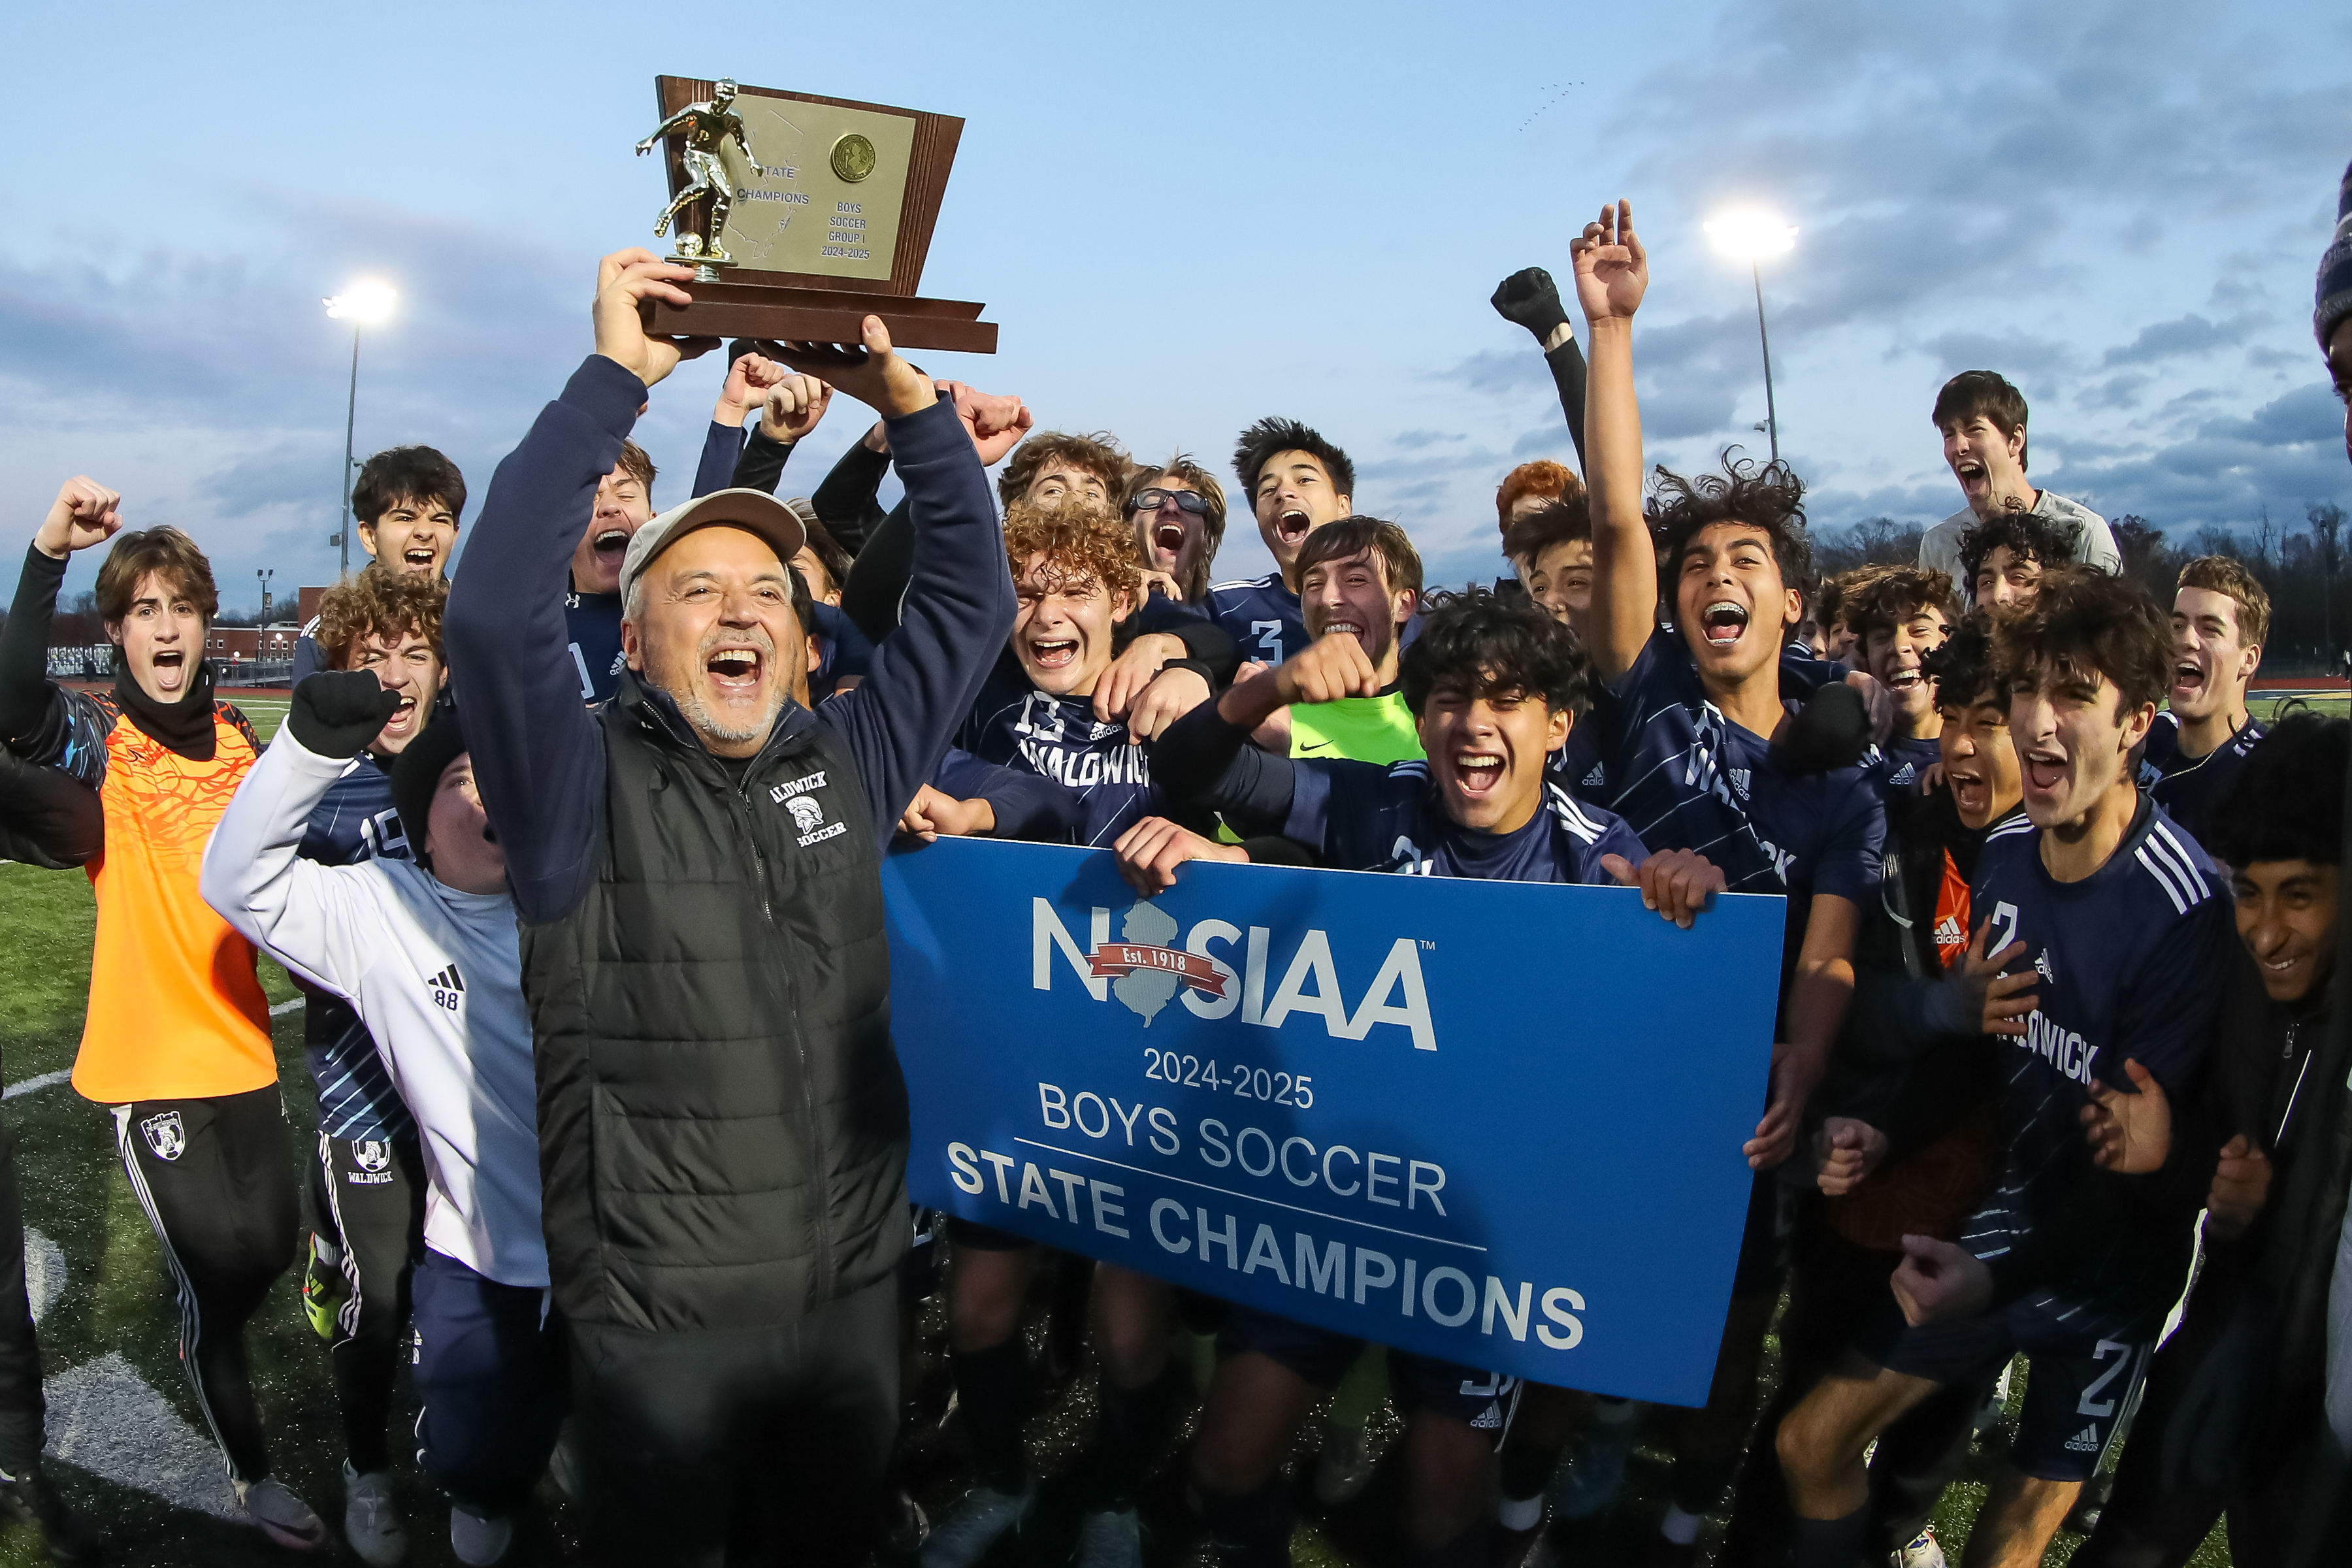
(723, 1120)
(540, 758)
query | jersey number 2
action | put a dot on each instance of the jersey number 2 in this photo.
(2090, 1405)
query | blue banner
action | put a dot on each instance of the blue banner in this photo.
(1494, 1122)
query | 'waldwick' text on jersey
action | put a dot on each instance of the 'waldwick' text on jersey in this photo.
(2131, 962)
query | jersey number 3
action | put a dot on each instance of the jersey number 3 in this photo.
(1269, 637)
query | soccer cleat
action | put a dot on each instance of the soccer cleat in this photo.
(279, 1514)
(979, 1522)
(371, 1518)
(2083, 1517)
(1996, 1402)
(31, 1499)
(1344, 1466)
(1922, 1551)
(324, 1290)
(476, 1541)
(1111, 1539)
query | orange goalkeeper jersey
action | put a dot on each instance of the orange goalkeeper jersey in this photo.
(175, 1010)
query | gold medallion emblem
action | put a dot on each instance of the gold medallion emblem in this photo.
(853, 158)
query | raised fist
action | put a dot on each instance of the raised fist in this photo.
(85, 513)
(1531, 299)
(336, 712)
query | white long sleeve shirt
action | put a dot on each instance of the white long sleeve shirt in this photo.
(436, 976)
(2095, 542)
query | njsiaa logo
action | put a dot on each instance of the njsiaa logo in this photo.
(1221, 970)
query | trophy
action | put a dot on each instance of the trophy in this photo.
(803, 215)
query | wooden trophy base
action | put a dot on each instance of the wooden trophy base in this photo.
(790, 314)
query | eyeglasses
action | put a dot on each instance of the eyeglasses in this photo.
(1192, 502)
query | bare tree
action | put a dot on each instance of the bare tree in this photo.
(2327, 527)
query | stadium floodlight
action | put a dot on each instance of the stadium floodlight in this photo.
(1749, 235)
(362, 304)
(367, 301)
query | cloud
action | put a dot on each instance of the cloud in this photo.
(1491, 370)
(291, 473)
(1413, 440)
(2117, 392)
(2189, 334)
(2022, 356)
(2306, 415)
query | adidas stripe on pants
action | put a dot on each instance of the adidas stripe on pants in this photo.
(370, 1193)
(216, 1180)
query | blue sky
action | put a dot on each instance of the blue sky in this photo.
(1189, 218)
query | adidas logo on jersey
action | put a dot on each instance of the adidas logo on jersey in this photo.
(1950, 932)
(1904, 775)
(1739, 780)
(2086, 1441)
(1596, 779)
(1489, 1419)
(446, 988)
(2044, 967)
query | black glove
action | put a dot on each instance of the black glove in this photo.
(1832, 730)
(336, 712)
(1530, 298)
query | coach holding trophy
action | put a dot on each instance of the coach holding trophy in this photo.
(696, 867)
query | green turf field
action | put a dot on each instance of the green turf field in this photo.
(126, 1435)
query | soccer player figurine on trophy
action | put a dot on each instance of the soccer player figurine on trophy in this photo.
(706, 125)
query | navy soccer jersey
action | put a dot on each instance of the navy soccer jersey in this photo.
(1579, 766)
(1684, 777)
(1264, 618)
(1361, 817)
(2133, 960)
(1017, 727)
(354, 821)
(1261, 614)
(2188, 788)
(593, 624)
(1898, 766)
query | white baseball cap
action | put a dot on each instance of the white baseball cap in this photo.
(755, 510)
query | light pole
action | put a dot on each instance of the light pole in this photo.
(265, 577)
(1750, 237)
(361, 304)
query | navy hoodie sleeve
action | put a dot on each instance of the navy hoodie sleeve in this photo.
(539, 757)
(1027, 806)
(722, 446)
(1202, 761)
(957, 612)
(849, 652)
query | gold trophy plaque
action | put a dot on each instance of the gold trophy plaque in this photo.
(803, 215)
